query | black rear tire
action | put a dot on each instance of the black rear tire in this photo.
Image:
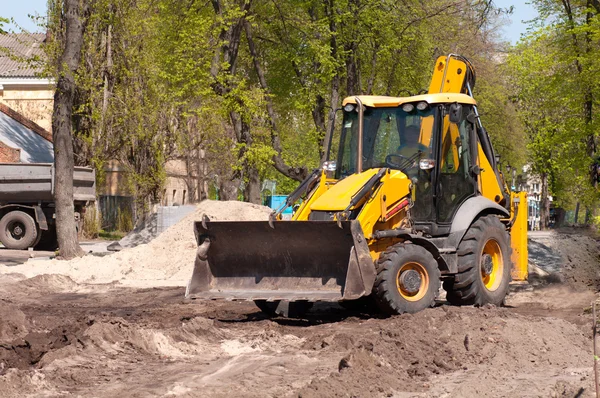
(290, 309)
(486, 241)
(18, 230)
(393, 293)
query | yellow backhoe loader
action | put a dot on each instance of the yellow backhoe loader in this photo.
(412, 198)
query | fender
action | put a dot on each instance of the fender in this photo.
(40, 217)
(471, 209)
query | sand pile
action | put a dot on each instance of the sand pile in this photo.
(166, 260)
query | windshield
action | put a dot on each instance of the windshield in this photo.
(391, 138)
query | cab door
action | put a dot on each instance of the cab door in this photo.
(455, 180)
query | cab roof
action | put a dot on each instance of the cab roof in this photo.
(383, 101)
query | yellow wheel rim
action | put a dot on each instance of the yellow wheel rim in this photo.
(413, 294)
(491, 265)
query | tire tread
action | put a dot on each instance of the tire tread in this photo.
(462, 288)
(386, 275)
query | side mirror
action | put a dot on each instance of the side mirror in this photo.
(455, 113)
(472, 117)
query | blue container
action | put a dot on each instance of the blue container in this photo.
(276, 201)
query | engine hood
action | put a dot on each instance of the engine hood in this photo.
(339, 195)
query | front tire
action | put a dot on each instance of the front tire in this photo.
(408, 279)
(18, 230)
(484, 265)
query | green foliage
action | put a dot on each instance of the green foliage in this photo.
(158, 81)
(3, 21)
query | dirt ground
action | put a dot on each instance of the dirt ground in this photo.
(59, 337)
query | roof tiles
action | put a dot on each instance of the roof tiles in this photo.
(16, 53)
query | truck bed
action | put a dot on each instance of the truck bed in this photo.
(34, 182)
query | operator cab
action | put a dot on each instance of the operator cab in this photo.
(432, 142)
(392, 137)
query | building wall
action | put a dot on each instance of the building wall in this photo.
(35, 103)
(176, 190)
(9, 154)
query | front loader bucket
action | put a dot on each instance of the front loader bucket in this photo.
(290, 260)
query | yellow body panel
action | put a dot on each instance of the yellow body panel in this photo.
(488, 183)
(332, 195)
(448, 76)
(426, 130)
(381, 101)
(518, 237)
(394, 187)
(338, 196)
(304, 210)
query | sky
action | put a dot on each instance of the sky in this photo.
(18, 9)
(522, 11)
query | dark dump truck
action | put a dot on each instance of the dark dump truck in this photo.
(27, 203)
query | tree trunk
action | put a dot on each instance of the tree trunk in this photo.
(107, 77)
(62, 129)
(545, 203)
(576, 217)
(587, 216)
(334, 100)
(560, 217)
(588, 95)
(334, 94)
(201, 190)
(228, 189)
(252, 188)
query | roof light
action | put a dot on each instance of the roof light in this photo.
(408, 107)
(426, 164)
(349, 107)
(330, 165)
(422, 105)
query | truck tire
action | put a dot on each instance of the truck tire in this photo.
(484, 265)
(408, 279)
(18, 230)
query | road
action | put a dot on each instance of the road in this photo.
(13, 257)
